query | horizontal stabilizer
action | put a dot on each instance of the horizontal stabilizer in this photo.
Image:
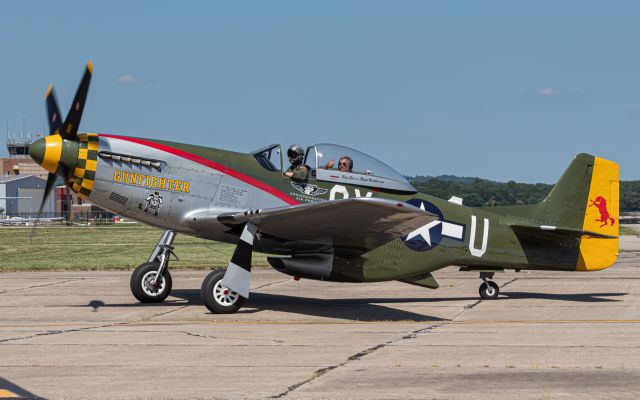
(562, 230)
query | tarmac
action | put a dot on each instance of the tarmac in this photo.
(550, 335)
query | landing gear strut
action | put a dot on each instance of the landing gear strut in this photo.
(151, 281)
(489, 290)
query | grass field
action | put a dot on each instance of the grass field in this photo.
(103, 247)
(112, 247)
(628, 231)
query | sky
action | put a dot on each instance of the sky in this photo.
(503, 90)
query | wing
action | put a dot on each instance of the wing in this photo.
(347, 226)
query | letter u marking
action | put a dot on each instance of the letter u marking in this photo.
(472, 240)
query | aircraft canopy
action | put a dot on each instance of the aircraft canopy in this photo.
(366, 170)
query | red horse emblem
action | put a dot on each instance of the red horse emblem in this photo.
(601, 204)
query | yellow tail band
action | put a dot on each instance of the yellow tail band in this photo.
(602, 215)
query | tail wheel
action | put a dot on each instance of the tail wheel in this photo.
(218, 298)
(146, 288)
(489, 290)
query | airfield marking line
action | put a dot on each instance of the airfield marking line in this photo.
(4, 393)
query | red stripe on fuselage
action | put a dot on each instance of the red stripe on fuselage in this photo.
(211, 164)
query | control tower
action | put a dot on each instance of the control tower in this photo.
(19, 162)
(18, 144)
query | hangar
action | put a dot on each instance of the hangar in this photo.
(29, 190)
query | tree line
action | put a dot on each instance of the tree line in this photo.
(478, 192)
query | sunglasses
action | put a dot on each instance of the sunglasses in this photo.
(343, 163)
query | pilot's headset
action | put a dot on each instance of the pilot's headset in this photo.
(296, 154)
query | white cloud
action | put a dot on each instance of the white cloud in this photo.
(548, 92)
(128, 79)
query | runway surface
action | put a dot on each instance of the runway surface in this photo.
(549, 336)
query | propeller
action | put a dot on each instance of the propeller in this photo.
(57, 152)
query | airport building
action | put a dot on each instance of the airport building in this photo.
(24, 194)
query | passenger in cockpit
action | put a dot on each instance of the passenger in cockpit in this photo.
(345, 164)
(297, 171)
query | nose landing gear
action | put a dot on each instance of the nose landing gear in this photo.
(489, 290)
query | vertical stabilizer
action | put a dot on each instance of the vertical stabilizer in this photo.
(587, 198)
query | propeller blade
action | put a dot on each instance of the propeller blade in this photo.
(71, 123)
(53, 112)
(50, 186)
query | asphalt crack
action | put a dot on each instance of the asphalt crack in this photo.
(87, 328)
(40, 286)
(268, 284)
(322, 371)
(355, 357)
(231, 338)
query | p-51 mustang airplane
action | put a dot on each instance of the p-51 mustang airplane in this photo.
(365, 225)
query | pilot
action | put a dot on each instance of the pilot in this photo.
(297, 171)
(345, 164)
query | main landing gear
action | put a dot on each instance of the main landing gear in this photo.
(151, 281)
(489, 290)
(226, 297)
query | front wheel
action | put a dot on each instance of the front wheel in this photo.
(218, 298)
(143, 287)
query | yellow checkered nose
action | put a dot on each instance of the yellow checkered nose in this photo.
(84, 173)
(47, 152)
(79, 159)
